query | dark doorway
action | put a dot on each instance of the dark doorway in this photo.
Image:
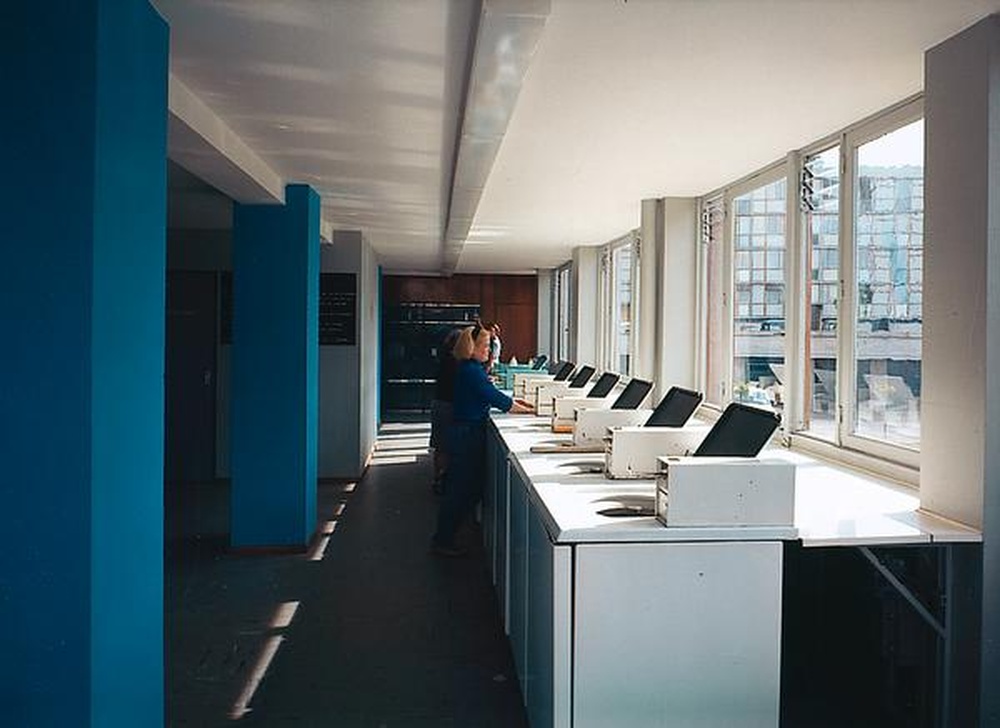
(190, 376)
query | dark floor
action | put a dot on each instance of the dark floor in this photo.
(369, 631)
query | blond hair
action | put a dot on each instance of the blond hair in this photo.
(465, 345)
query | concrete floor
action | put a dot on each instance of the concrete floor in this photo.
(367, 629)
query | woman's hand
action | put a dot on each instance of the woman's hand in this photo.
(521, 407)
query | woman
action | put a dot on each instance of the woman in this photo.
(441, 407)
(472, 397)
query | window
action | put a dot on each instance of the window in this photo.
(820, 200)
(563, 312)
(849, 370)
(714, 298)
(887, 231)
(621, 307)
(759, 295)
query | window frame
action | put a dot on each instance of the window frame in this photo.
(603, 334)
(800, 288)
(609, 354)
(721, 361)
(705, 365)
(770, 175)
(563, 307)
(627, 242)
(847, 319)
(893, 460)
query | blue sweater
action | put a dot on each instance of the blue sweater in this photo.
(475, 394)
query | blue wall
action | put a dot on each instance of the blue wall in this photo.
(81, 375)
(275, 360)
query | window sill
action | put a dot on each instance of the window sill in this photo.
(870, 464)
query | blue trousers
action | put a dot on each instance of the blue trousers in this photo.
(464, 479)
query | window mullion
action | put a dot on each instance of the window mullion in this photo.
(796, 294)
(635, 296)
(728, 285)
(846, 313)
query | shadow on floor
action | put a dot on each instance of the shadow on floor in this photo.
(367, 629)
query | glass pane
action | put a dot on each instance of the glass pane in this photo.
(888, 249)
(821, 204)
(758, 329)
(622, 313)
(711, 234)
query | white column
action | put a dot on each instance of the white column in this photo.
(960, 392)
(677, 337)
(348, 373)
(586, 314)
(648, 291)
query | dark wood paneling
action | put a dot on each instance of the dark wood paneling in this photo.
(519, 322)
(487, 298)
(518, 289)
(511, 300)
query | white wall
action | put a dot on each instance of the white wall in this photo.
(647, 293)
(960, 388)
(961, 249)
(677, 337)
(667, 325)
(348, 374)
(586, 313)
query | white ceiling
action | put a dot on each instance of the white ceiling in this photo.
(622, 100)
(359, 99)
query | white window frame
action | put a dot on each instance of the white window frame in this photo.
(895, 461)
(636, 293)
(563, 307)
(846, 314)
(608, 353)
(800, 292)
(603, 354)
(703, 355)
(770, 175)
(723, 358)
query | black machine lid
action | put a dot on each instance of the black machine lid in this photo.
(582, 376)
(564, 370)
(741, 431)
(605, 383)
(633, 394)
(675, 409)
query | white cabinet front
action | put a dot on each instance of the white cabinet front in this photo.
(677, 634)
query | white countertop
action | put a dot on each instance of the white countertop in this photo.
(569, 496)
(834, 505)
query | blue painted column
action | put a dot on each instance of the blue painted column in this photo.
(275, 385)
(82, 262)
